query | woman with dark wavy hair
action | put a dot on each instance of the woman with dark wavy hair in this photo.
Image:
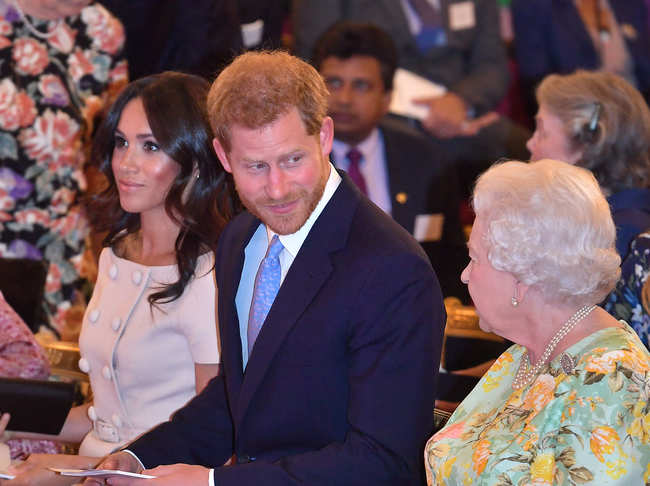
(149, 338)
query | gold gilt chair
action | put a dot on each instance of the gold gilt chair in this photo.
(453, 386)
(64, 364)
(462, 322)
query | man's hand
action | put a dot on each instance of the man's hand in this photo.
(446, 115)
(122, 461)
(173, 475)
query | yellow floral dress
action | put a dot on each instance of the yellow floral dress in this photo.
(589, 424)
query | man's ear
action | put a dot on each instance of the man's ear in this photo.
(221, 153)
(326, 136)
(385, 101)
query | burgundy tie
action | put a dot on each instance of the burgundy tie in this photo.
(354, 157)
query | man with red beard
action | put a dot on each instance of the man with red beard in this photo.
(330, 315)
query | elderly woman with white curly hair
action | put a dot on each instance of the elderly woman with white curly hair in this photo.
(569, 402)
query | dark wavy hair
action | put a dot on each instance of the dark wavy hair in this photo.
(175, 105)
(346, 39)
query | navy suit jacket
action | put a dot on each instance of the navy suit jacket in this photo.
(339, 388)
(550, 37)
(419, 168)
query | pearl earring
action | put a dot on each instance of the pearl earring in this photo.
(514, 302)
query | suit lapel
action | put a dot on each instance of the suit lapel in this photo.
(229, 329)
(308, 273)
(394, 10)
(396, 179)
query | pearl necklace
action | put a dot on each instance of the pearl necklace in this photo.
(526, 372)
(31, 27)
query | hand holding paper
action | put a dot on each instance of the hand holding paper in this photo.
(162, 476)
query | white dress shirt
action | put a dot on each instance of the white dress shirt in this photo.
(372, 166)
(415, 24)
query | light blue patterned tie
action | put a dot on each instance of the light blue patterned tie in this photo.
(267, 284)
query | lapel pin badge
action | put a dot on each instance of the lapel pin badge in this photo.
(401, 197)
(629, 31)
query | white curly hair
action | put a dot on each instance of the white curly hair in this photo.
(549, 224)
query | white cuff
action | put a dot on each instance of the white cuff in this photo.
(211, 478)
(136, 458)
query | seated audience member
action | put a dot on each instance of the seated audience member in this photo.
(330, 378)
(630, 300)
(200, 37)
(61, 62)
(21, 357)
(568, 401)
(454, 44)
(397, 167)
(560, 36)
(599, 121)
(149, 337)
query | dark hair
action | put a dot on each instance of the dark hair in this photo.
(347, 39)
(175, 105)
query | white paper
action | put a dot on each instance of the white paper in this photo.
(252, 33)
(408, 86)
(428, 227)
(98, 472)
(461, 15)
(6, 476)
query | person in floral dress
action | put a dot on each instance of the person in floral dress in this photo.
(569, 402)
(21, 357)
(630, 300)
(60, 64)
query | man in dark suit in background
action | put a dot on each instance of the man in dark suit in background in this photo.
(405, 173)
(330, 316)
(454, 43)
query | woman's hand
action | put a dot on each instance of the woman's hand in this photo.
(35, 470)
(4, 421)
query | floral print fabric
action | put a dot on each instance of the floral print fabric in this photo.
(51, 89)
(626, 300)
(22, 357)
(588, 426)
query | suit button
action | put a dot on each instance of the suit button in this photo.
(106, 373)
(136, 277)
(117, 322)
(94, 315)
(117, 421)
(84, 365)
(112, 272)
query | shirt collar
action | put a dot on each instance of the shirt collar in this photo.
(294, 241)
(368, 148)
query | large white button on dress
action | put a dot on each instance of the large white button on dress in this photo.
(84, 365)
(117, 421)
(92, 415)
(106, 372)
(137, 277)
(94, 315)
(117, 322)
(112, 272)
